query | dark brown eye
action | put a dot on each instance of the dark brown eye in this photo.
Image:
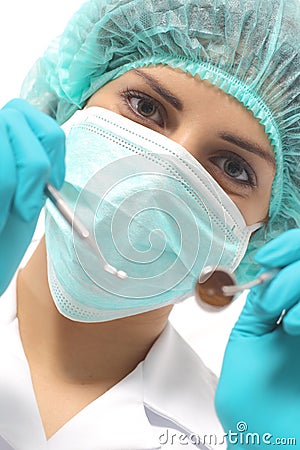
(233, 168)
(146, 107)
(236, 169)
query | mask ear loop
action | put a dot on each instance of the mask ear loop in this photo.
(255, 227)
(266, 226)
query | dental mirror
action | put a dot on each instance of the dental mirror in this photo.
(209, 287)
(217, 287)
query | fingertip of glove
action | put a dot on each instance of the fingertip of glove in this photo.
(57, 178)
(29, 211)
(267, 255)
(276, 252)
(30, 214)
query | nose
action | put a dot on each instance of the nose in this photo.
(191, 137)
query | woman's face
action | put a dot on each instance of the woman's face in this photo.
(213, 126)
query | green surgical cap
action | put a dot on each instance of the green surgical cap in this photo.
(248, 48)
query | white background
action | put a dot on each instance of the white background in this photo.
(26, 28)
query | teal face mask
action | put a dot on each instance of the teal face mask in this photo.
(153, 211)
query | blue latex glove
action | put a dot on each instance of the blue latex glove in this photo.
(259, 387)
(31, 153)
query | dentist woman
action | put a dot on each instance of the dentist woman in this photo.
(182, 125)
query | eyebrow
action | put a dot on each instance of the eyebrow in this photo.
(249, 146)
(233, 139)
(162, 91)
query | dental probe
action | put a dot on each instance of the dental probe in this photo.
(75, 223)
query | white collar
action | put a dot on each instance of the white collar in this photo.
(179, 387)
(172, 382)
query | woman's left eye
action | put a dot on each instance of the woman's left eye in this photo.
(144, 107)
(236, 169)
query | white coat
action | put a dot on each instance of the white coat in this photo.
(166, 402)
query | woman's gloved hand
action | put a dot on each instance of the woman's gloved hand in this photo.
(259, 387)
(32, 148)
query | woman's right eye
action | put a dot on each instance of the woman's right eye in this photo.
(145, 107)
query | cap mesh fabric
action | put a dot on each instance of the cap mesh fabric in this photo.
(248, 48)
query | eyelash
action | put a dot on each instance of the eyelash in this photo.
(128, 94)
(233, 157)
